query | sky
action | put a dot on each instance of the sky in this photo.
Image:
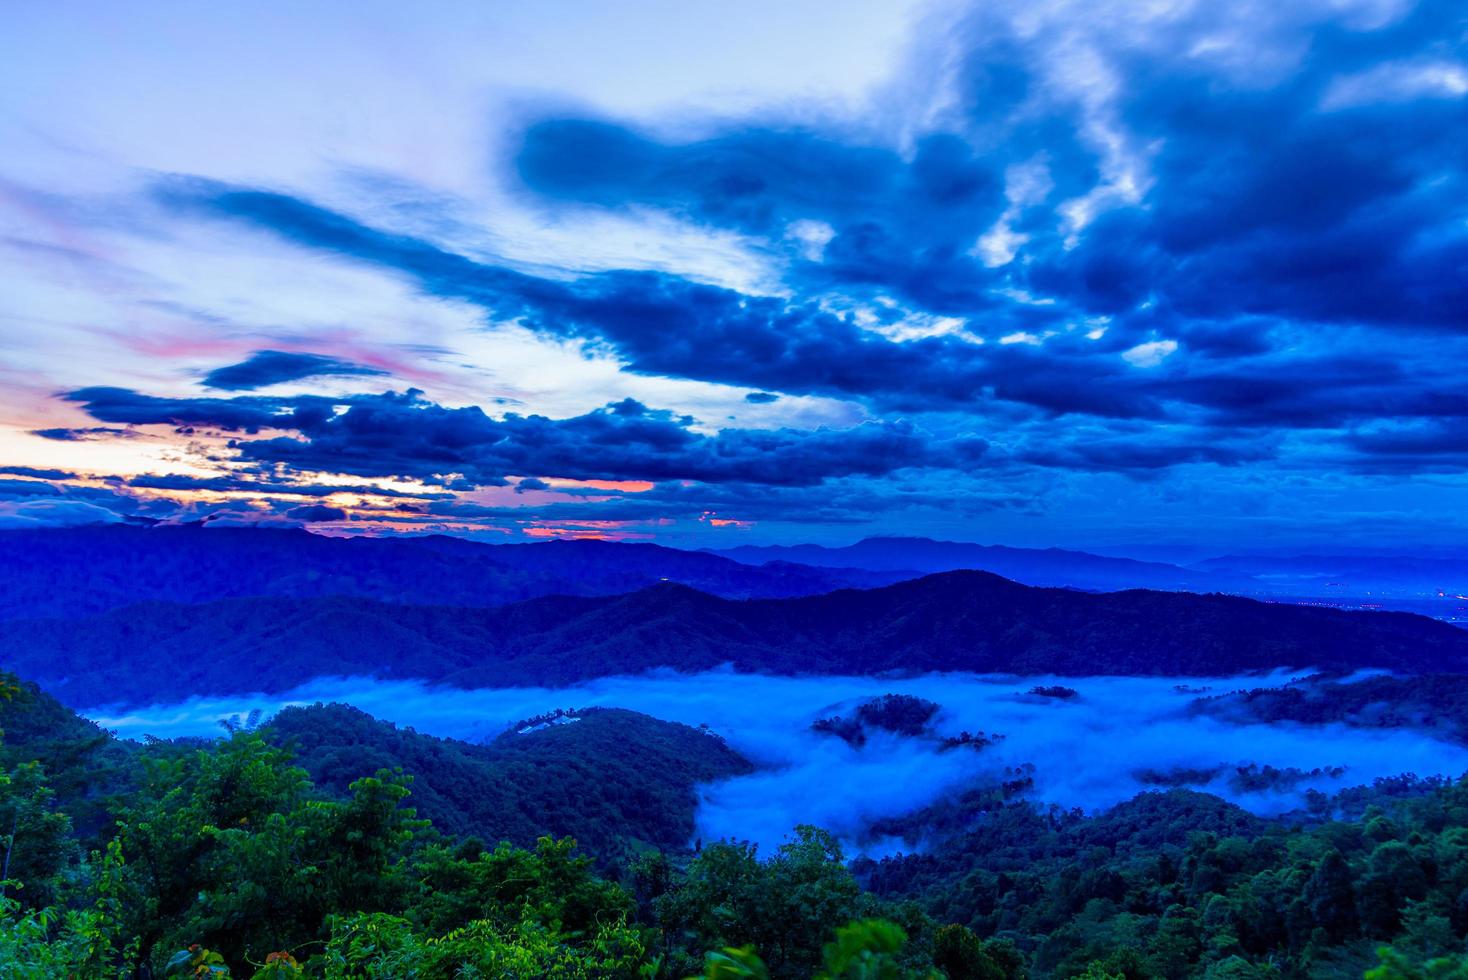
(1132, 275)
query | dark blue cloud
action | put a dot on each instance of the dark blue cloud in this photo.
(86, 434)
(1274, 196)
(904, 225)
(27, 488)
(127, 407)
(316, 513)
(25, 503)
(230, 484)
(38, 474)
(1148, 452)
(270, 367)
(402, 435)
(1430, 445)
(1273, 199)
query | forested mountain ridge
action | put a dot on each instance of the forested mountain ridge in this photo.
(1429, 702)
(1159, 883)
(962, 621)
(610, 778)
(79, 571)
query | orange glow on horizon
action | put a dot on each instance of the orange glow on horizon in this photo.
(592, 530)
(712, 519)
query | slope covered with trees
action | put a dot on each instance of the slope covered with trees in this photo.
(1429, 702)
(610, 778)
(965, 621)
(1182, 884)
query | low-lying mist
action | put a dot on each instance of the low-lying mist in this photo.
(1116, 737)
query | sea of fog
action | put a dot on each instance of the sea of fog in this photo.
(1087, 751)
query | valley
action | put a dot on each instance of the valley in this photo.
(912, 733)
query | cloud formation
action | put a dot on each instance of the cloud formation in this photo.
(1207, 162)
(1190, 260)
(272, 367)
(403, 435)
(316, 513)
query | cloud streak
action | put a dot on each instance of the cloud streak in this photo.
(272, 367)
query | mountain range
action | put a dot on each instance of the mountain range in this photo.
(85, 570)
(79, 571)
(962, 621)
(1031, 566)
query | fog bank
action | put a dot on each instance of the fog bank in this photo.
(1088, 751)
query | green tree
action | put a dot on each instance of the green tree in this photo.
(1331, 898)
(868, 950)
(384, 947)
(35, 838)
(1394, 965)
(787, 906)
(962, 955)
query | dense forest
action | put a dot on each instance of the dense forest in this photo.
(954, 621)
(614, 780)
(327, 844)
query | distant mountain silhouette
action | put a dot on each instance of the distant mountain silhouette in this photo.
(962, 621)
(1348, 574)
(86, 570)
(1031, 566)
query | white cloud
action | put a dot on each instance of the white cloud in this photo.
(999, 244)
(813, 237)
(1399, 81)
(1149, 354)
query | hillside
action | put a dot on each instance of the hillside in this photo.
(80, 571)
(1430, 702)
(83, 764)
(610, 777)
(964, 621)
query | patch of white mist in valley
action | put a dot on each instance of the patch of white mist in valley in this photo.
(1089, 751)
